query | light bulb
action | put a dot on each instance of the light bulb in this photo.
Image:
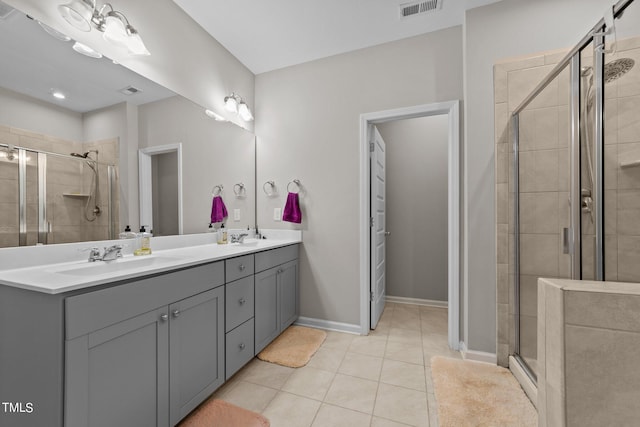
(231, 104)
(244, 112)
(114, 30)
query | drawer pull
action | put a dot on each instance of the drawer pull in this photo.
(164, 317)
(242, 301)
(175, 313)
(242, 346)
(241, 267)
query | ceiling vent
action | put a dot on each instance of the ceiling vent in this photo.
(419, 8)
(5, 10)
(130, 90)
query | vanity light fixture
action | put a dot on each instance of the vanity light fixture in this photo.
(84, 14)
(235, 104)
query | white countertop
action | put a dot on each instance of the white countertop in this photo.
(172, 253)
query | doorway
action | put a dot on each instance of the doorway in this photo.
(367, 126)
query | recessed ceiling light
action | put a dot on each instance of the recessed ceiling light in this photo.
(86, 50)
(58, 95)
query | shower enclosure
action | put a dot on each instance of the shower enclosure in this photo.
(55, 198)
(575, 183)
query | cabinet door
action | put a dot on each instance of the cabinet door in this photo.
(196, 333)
(267, 323)
(288, 294)
(117, 376)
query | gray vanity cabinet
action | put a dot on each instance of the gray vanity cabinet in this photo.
(196, 351)
(276, 293)
(151, 369)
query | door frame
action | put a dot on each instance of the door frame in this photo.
(452, 110)
(145, 180)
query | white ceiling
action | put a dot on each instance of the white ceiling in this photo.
(269, 34)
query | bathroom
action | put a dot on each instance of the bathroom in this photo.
(307, 119)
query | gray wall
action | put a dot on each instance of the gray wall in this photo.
(416, 210)
(506, 29)
(308, 128)
(213, 153)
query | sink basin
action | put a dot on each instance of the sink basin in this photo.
(119, 265)
(248, 242)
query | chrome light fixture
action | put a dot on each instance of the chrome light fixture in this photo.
(234, 104)
(84, 15)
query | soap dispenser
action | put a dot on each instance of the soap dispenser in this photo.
(145, 242)
(127, 234)
(222, 235)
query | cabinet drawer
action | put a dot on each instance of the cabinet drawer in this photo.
(94, 310)
(267, 259)
(237, 268)
(238, 302)
(239, 348)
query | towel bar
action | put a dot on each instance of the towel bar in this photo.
(295, 182)
(271, 184)
(239, 189)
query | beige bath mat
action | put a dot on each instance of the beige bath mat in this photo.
(479, 394)
(218, 413)
(294, 347)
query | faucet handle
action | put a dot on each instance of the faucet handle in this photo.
(94, 253)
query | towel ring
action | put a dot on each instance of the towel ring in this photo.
(295, 182)
(238, 189)
(218, 188)
(271, 184)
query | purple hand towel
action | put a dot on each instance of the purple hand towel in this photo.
(218, 210)
(291, 211)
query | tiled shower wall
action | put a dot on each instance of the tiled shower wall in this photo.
(64, 175)
(544, 186)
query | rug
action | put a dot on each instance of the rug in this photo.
(294, 347)
(218, 413)
(479, 394)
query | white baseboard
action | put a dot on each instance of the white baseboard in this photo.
(328, 325)
(417, 301)
(478, 356)
(530, 389)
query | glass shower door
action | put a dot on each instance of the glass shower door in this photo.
(9, 197)
(543, 204)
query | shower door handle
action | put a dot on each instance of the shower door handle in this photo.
(565, 240)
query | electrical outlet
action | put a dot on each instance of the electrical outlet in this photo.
(236, 214)
(277, 214)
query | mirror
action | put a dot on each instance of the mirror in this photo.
(48, 195)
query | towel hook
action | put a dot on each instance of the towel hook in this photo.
(271, 184)
(295, 182)
(218, 188)
(239, 189)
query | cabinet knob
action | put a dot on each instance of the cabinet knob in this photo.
(242, 301)
(242, 346)
(164, 317)
(241, 267)
(175, 313)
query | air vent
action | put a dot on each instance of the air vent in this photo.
(130, 90)
(5, 10)
(418, 8)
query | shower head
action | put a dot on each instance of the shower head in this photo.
(612, 70)
(618, 68)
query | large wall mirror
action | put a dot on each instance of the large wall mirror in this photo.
(69, 167)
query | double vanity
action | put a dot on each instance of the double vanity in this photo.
(140, 341)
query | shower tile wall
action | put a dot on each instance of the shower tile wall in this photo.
(543, 177)
(63, 176)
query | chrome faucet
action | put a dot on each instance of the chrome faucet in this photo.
(112, 252)
(94, 254)
(238, 238)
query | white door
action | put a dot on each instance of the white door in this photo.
(377, 212)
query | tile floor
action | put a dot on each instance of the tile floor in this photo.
(381, 380)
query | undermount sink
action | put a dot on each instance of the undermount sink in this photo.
(248, 242)
(118, 265)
